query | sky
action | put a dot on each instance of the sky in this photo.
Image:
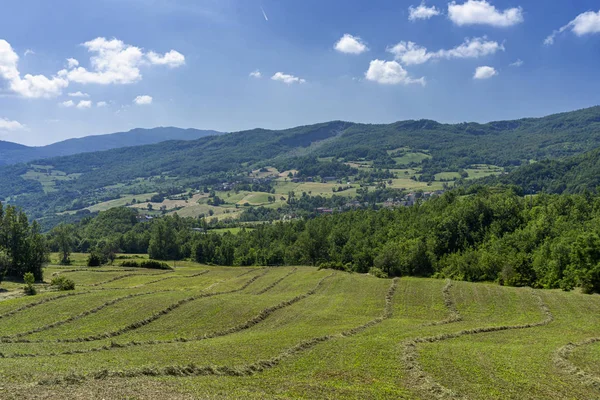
(70, 68)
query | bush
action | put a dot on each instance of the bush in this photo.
(29, 279)
(94, 260)
(63, 283)
(378, 272)
(338, 266)
(151, 264)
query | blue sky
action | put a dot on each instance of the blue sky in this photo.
(188, 63)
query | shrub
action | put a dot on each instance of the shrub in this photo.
(151, 264)
(336, 265)
(63, 283)
(94, 260)
(29, 279)
(378, 272)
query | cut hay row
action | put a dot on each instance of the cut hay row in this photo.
(14, 338)
(561, 361)
(263, 315)
(423, 382)
(162, 313)
(170, 277)
(450, 305)
(40, 302)
(277, 282)
(244, 370)
(116, 278)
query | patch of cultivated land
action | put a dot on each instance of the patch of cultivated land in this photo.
(294, 332)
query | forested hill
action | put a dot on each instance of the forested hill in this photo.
(572, 175)
(12, 153)
(183, 164)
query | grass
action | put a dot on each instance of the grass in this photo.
(409, 158)
(292, 332)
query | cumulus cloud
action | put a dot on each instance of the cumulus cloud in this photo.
(390, 73)
(480, 12)
(68, 103)
(115, 62)
(101, 104)
(143, 100)
(287, 79)
(8, 125)
(410, 53)
(585, 23)
(32, 86)
(484, 72)
(72, 63)
(422, 12)
(84, 104)
(171, 59)
(256, 74)
(517, 63)
(78, 94)
(349, 44)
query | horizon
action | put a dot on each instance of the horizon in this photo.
(291, 127)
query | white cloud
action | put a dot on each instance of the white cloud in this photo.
(28, 52)
(422, 12)
(288, 79)
(484, 72)
(72, 63)
(517, 63)
(84, 104)
(480, 12)
(390, 73)
(115, 62)
(171, 59)
(410, 53)
(8, 125)
(349, 44)
(78, 94)
(585, 23)
(101, 104)
(143, 100)
(32, 86)
(256, 74)
(68, 103)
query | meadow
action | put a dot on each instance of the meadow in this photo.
(293, 332)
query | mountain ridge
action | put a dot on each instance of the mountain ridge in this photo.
(14, 153)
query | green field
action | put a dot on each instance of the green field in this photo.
(250, 332)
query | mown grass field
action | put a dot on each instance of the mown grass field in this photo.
(293, 332)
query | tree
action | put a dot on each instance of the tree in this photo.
(64, 238)
(163, 245)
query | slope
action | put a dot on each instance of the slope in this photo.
(12, 153)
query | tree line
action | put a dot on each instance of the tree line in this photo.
(475, 234)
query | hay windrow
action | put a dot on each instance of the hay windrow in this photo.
(277, 282)
(561, 361)
(243, 370)
(156, 316)
(263, 315)
(424, 383)
(450, 305)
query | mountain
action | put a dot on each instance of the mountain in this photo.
(84, 179)
(13, 153)
(572, 175)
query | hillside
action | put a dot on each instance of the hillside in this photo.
(571, 175)
(13, 153)
(288, 332)
(424, 150)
